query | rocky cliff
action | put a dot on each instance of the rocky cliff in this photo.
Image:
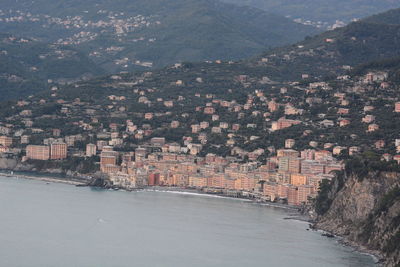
(363, 206)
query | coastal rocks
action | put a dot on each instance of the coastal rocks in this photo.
(366, 212)
(8, 163)
(100, 181)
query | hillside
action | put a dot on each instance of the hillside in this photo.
(333, 52)
(126, 35)
(28, 65)
(240, 94)
(323, 13)
(390, 17)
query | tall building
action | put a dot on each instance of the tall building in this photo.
(91, 150)
(293, 196)
(308, 154)
(38, 152)
(298, 179)
(108, 158)
(58, 151)
(304, 192)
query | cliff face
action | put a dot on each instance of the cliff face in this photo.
(366, 211)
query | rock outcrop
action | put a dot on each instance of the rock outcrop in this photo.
(365, 210)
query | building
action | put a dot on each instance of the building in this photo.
(308, 154)
(108, 158)
(25, 139)
(154, 179)
(56, 132)
(58, 151)
(157, 141)
(293, 196)
(373, 127)
(368, 119)
(312, 167)
(198, 181)
(298, 179)
(209, 110)
(304, 192)
(91, 150)
(283, 123)
(6, 141)
(397, 107)
(38, 152)
(175, 124)
(289, 143)
(287, 153)
(196, 128)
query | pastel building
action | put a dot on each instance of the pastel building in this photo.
(58, 151)
(38, 152)
(91, 150)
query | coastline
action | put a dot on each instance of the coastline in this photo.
(297, 215)
(49, 179)
(342, 240)
(75, 181)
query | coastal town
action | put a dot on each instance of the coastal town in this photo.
(225, 133)
(238, 148)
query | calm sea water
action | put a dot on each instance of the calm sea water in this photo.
(61, 225)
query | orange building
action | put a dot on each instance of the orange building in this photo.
(38, 152)
(58, 151)
(108, 159)
(298, 179)
(283, 123)
(293, 196)
(109, 168)
(304, 192)
(198, 181)
(153, 179)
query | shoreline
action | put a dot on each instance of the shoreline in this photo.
(68, 181)
(376, 256)
(167, 189)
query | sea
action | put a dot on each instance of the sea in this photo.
(56, 225)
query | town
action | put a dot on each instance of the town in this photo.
(239, 148)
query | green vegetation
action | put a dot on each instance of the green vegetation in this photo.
(384, 204)
(369, 162)
(389, 199)
(393, 244)
(73, 164)
(361, 166)
(189, 30)
(323, 201)
(27, 65)
(325, 55)
(327, 11)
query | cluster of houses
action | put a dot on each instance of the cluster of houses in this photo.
(133, 153)
(290, 175)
